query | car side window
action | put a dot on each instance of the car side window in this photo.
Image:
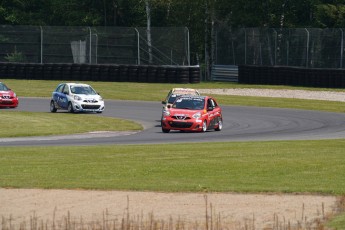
(209, 104)
(59, 88)
(65, 90)
(213, 102)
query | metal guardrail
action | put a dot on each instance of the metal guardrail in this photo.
(224, 73)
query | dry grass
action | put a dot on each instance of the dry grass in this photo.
(213, 221)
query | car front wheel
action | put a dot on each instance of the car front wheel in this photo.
(165, 130)
(70, 108)
(220, 125)
(204, 126)
(52, 107)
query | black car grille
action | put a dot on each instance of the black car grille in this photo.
(6, 97)
(177, 117)
(90, 106)
(176, 124)
(6, 102)
(90, 101)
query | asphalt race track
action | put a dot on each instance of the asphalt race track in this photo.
(240, 123)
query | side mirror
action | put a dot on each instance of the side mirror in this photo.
(164, 102)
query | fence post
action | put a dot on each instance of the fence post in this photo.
(341, 48)
(41, 44)
(188, 47)
(90, 46)
(307, 47)
(245, 46)
(138, 41)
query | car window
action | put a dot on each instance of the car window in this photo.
(65, 89)
(80, 89)
(172, 98)
(60, 88)
(214, 103)
(3, 87)
(189, 103)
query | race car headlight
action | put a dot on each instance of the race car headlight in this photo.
(14, 95)
(197, 115)
(166, 113)
(100, 99)
(77, 98)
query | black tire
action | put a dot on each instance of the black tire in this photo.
(220, 125)
(53, 109)
(70, 108)
(165, 130)
(204, 126)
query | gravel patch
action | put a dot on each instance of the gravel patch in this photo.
(233, 211)
(284, 93)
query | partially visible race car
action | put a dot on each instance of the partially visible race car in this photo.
(76, 97)
(175, 93)
(8, 98)
(193, 113)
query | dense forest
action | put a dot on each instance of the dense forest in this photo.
(199, 16)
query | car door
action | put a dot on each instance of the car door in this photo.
(61, 96)
(212, 112)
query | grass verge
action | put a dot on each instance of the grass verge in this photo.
(281, 167)
(19, 124)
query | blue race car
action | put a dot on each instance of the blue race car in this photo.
(76, 97)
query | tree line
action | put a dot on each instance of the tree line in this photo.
(201, 17)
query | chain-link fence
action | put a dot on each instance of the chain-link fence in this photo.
(94, 45)
(301, 47)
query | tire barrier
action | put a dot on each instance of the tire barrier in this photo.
(182, 75)
(133, 73)
(123, 73)
(100, 72)
(293, 76)
(103, 73)
(142, 73)
(85, 72)
(161, 76)
(114, 73)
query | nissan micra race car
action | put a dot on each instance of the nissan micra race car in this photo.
(8, 98)
(174, 94)
(193, 113)
(76, 97)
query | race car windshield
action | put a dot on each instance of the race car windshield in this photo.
(87, 90)
(189, 103)
(3, 87)
(172, 98)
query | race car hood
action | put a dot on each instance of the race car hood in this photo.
(184, 112)
(9, 92)
(88, 97)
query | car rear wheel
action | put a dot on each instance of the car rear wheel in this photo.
(204, 126)
(52, 107)
(220, 125)
(70, 108)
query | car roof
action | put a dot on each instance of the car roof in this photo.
(193, 97)
(72, 84)
(184, 91)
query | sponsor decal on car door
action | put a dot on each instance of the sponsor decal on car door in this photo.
(62, 97)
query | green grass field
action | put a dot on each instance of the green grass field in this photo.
(316, 167)
(294, 167)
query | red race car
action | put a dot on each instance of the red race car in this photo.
(193, 113)
(8, 98)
